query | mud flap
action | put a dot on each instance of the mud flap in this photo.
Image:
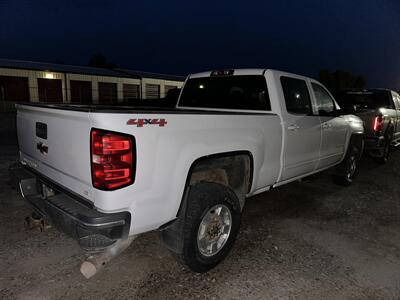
(171, 234)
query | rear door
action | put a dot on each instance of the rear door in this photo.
(334, 128)
(302, 129)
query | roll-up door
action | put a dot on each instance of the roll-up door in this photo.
(81, 92)
(152, 91)
(50, 90)
(131, 91)
(107, 93)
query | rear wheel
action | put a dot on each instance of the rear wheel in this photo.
(383, 159)
(211, 225)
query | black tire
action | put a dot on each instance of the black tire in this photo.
(203, 197)
(383, 159)
(347, 169)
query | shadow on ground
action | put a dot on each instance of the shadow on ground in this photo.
(307, 240)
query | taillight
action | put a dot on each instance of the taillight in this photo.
(377, 124)
(113, 159)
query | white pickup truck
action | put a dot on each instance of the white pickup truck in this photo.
(105, 174)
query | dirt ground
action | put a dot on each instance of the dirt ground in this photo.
(306, 240)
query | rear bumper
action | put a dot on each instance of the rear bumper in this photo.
(70, 213)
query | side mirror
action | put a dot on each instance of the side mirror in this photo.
(338, 112)
(349, 109)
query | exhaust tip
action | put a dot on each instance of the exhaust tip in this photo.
(88, 269)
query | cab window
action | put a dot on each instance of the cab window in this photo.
(297, 97)
(325, 103)
(246, 92)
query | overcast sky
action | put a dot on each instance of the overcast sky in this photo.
(181, 37)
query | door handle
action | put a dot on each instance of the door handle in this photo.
(293, 127)
(326, 125)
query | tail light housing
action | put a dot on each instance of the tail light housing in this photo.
(113, 157)
(377, 124)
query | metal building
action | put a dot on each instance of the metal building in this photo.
(46, 82)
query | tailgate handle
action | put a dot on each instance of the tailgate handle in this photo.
(42, 147)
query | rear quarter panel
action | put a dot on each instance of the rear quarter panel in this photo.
(165, 155)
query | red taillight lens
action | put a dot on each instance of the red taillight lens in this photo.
(112, 159)
(377, 123)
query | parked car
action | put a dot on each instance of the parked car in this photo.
(380, 111)
(104, 175)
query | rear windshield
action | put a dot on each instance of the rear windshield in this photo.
(247, 92)
(365, 100)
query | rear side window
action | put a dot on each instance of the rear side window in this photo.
(297, 97)
(247, 92)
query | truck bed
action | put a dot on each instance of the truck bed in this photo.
(164, 154)
(123, 109)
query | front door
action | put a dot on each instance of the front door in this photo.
(302, 130)
(334, 127)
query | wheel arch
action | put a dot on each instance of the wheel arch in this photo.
(171, 232)
(213, 162)
(357, 140)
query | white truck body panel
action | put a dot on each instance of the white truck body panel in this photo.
(166, 154)
(69, 147)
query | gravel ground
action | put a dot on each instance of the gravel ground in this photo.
(306, 240)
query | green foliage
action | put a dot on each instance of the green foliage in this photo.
(341, 80)
(98, 60)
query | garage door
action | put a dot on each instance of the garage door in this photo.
(169, 87)
(50, 90)
(81, 92)
(107, 93)
(12, 89)
(152, 91)
(131, 91)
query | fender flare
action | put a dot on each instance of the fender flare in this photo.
(171, 233)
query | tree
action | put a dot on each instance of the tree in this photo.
(341, 80)
(98, 60)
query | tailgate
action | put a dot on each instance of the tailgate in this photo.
(367, 116)
(56, 143)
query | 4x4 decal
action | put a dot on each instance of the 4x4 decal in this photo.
(142, 122)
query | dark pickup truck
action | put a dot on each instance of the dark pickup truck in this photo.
(380, 111)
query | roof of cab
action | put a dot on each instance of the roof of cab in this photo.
(249, 71)
(235, 72)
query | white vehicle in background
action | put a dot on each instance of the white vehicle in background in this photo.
(105, 174)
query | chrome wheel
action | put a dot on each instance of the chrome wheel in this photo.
(214, 230)
(352, 166)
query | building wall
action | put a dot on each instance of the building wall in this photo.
(65, 78)
(96, 79)
(160, 82)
